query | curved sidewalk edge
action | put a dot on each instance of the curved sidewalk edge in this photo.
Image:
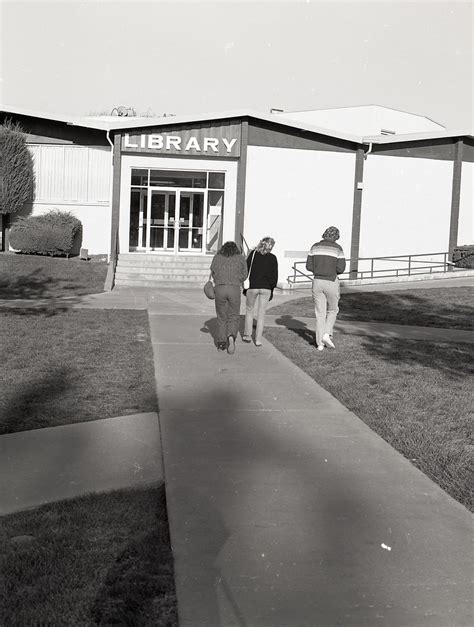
(46, 465)
(382, 329)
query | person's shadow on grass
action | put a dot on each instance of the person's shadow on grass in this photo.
(296, 326)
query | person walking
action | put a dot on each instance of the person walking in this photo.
(229, 271)
(263, 275)
(326, 261)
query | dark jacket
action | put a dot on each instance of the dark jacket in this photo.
(264, 274)
(326, 260)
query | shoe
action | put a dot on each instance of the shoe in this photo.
(320, 347)
(258, 343)
(246, 338)
(231, 345)
(327, 340)
(221, 346)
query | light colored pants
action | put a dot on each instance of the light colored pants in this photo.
(326, 300)
(263, 296)
(227, 311)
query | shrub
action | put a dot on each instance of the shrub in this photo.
(16, 169)
(53, 233)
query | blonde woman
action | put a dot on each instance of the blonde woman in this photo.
(263, 267)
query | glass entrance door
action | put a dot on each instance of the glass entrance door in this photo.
(160, 227)
(191, 221)
(173, 221)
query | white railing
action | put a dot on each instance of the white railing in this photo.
(383, 267)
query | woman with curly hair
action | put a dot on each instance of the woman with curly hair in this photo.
(229, 271)
(263, 268)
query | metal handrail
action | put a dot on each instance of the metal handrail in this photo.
(433, 266)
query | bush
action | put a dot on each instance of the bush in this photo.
(53, 233)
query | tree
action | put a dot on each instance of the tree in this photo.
(16, 174)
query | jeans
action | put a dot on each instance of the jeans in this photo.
(227, 311)
(326, 299)
(263, 298)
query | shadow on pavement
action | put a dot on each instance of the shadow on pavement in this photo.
(266, 520)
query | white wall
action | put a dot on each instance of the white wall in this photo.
(466, 206)
(293, 195)
(138, 161)
(95, 223)
(75, 179)
(406, 206)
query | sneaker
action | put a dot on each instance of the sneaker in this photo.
(328, 341)
(258, 343)
(320, 347)
(221, 346)
(231, 345)
(246, 338)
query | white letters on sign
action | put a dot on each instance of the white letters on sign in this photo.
(155, 141)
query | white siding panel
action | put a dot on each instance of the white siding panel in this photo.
(71, 174)
(75, 173)
(51, 175)
(406, 206)
(99, 171)
(293, 195)
(466, 206)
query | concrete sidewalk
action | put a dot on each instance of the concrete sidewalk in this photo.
(46, 465)
(284, 508)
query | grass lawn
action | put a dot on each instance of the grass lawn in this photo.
(100, 559)
(37, 276)
(74, 366)
(417, 395)
(451, 307)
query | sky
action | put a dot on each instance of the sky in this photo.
(196, 57)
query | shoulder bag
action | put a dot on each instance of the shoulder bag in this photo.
(209, 288)
(247, 280)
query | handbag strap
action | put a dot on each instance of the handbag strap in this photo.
(251, 264)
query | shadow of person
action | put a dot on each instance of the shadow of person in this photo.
(262, 514)
(210, 327)
(202, 578)
(298, 327)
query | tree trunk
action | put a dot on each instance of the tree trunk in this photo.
(5, 232)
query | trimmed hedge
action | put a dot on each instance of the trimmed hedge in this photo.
(53, 233)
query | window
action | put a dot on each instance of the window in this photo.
(71, 174)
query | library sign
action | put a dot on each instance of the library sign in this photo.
(219, 141)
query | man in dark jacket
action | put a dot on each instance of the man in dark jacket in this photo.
(326, 261)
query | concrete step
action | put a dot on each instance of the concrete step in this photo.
(128, 263)
(178, 278)
(150, 270)
(138, 282)
(165, 258)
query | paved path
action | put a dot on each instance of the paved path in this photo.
(285, 509)
(46, 465)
